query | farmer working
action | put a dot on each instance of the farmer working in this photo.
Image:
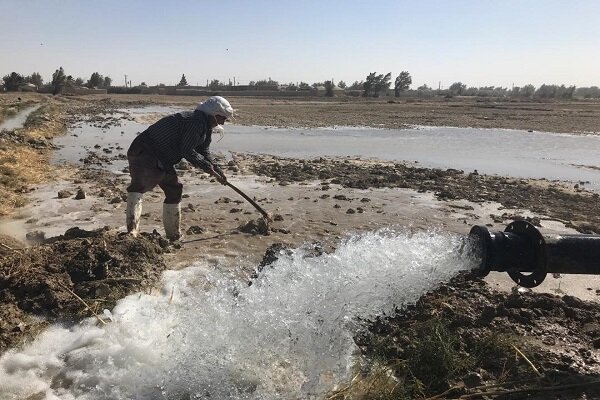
(153, 154)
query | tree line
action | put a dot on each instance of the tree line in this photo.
(14, 81)
(374, 85)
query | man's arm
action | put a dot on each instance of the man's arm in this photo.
(201, 156)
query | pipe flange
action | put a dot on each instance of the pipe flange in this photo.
(537, 276)
(482, 236)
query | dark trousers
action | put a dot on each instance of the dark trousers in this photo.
(147, 171)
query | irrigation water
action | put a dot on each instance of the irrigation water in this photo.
(207, 334)
(18, 120)
(506, 152)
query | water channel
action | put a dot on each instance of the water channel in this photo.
(18, 120)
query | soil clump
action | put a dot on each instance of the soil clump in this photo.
(72, 276)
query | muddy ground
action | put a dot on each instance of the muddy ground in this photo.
(85, 271)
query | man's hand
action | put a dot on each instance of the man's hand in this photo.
(219, 175)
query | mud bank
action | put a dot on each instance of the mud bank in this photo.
(78, 274)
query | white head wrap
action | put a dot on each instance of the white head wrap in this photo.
(216, 105)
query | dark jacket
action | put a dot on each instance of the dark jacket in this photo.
(183, 135)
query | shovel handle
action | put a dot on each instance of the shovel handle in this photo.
(245, 196)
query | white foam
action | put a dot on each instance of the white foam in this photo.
(289, 335)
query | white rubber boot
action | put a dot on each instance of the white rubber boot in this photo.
(172, 220)
(134, 212)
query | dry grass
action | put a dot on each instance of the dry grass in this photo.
(21, 165)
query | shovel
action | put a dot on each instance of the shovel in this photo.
(245, 196)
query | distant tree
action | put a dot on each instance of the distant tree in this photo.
(564, 92)
(356, 85)
(555, 92)
(107, 81)
(471, 91)
(143, 84)
(424, 91)
(35, 79)
(291, 87)
(13, 81)
(58, 81)
(251, 83)
(592, 92)
(267, 82)
(457, 88)
(328, 88)
(96, 80)
(382, 83)
(402, 83)
(527, 91)
(545, 91)
(183, 81)
(79, 81)
(341, 85)
(304, 86)
(70, 81)
(374, 84)
(215, 85)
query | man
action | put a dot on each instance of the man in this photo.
(153, 154)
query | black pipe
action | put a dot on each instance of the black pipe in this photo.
(528, 256)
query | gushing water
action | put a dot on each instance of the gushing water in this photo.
(209, 335)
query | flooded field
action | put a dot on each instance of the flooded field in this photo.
(553, 156)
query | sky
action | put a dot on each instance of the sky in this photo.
(439, 42)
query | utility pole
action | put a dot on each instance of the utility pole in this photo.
(125, 80)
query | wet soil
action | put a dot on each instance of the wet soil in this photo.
(577, 208)
(75, 275)
(464, 339)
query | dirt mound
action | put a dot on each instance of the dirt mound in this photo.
(465, 339)
(73, 276)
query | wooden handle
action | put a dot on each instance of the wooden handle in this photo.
(259, 208)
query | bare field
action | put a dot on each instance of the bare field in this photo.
(548, 116)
